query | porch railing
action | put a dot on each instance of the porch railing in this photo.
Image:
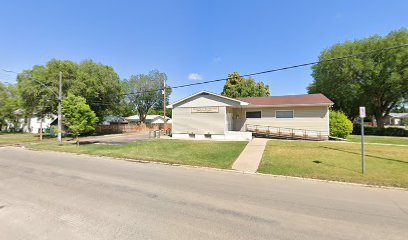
(287, 133)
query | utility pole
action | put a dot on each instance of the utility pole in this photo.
(59, 108)
(164, 106)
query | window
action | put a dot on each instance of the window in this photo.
(284, 114)
(254, 114)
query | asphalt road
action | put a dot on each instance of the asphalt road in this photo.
(45, 195)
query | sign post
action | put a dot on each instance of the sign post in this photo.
(362, 116)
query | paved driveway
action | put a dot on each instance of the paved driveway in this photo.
(116, 138)
(48, 195)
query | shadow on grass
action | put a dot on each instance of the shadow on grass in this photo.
(332, 165)
(368, 155)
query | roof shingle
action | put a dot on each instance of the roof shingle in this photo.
(303, 99)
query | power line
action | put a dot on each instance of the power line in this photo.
(283, 68)
(253, 74)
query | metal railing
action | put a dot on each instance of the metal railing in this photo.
(283, 132)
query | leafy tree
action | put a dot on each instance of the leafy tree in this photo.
(340, 125)
(405, 121)
(78, 116)
(144, 91)
(97, 83)
(9, 103)
(378, 80)
(238, 86)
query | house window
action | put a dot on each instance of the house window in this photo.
(253, 114)
(284, 114)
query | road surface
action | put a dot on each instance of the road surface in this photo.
(47, 195)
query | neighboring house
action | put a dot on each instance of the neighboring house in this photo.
(113, 119)
(150, 119)
(396, 119)
(30, 125)
(209, 115)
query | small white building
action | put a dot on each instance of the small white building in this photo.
(207, 115)
(150, 119)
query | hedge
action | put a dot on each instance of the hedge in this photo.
(378, 131)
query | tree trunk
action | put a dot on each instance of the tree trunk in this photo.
(77, 140)
(380, 120)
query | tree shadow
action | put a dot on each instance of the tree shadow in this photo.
(368, 155)
(332, 165)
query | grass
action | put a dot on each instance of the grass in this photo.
(19, 138)
(379, 139)
(218, 154)
(385, 165)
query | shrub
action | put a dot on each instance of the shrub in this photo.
(340, 125)
(378, 131)
(405, 121)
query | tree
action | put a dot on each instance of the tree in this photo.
(9, 103)
(99, 84)
(378, 80)
(340, 125)
(238, 86)
(78, 116)
(145, 91)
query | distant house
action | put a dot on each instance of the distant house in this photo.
(30, 125)
(113, 119)
(396, 119)
(207, 115)
(150, 119)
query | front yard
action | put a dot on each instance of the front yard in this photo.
(217, 154)
(385, 165)
(379, 139)
(18, 138)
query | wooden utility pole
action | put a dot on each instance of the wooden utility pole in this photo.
(164, 106)
(41, 129)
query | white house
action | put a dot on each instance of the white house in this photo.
(212, 116)
(150, 119)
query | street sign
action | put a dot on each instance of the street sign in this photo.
(362, 112)
(362, 116)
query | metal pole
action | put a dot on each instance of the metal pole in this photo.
(164, 105)
(59, 108)
(362, 145)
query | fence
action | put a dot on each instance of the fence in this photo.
(124, 128)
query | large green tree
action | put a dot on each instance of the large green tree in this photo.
(99, 84)
(238, 86)
(377, 80)
(78, 116)
(9, 104)
(144, 91)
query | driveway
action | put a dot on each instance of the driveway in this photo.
(116, 138)
(49, 195)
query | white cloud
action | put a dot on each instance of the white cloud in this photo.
(217, 60)
(195, 77)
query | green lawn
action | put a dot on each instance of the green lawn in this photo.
(379, 139)
(385, 165)
(218, 154)
(18, 138)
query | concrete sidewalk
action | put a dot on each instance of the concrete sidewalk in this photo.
(250, 158)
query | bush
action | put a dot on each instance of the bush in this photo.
(378, 131)
(340, 125)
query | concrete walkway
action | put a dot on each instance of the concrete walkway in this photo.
(250, 158)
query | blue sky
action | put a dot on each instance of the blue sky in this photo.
(203, 39)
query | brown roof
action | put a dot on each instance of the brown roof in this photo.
(317, 98)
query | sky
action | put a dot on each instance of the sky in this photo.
(190, 41)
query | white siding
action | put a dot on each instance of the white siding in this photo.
(309, 118)
(185, 121)
(206, 101)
